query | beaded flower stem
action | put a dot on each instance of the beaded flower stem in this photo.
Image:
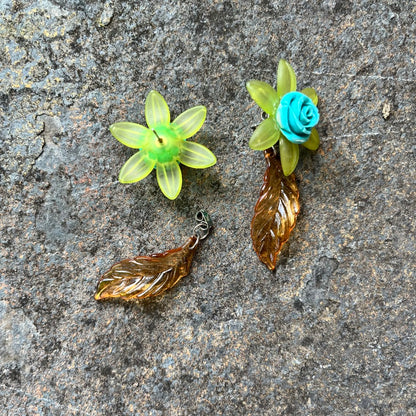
(291, 121)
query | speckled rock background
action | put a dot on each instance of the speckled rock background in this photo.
(331, 332)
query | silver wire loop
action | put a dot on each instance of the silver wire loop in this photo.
(203, 226)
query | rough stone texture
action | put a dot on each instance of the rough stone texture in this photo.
(331, 332)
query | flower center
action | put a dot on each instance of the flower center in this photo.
(165, 146)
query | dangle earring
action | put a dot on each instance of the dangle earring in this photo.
(163, 145)
(148, 276)
(291, 121)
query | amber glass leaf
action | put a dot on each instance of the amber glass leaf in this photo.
(275, 212)
(146, 276)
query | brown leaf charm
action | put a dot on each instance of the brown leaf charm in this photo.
(146, 276)
(275, 212)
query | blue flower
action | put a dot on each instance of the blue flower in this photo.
(292, 117)
(296, 116)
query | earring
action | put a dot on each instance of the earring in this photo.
(163, 145)
(148, 276)
(291, 121)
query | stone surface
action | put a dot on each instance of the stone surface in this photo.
(331, 332)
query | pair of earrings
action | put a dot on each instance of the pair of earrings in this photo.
(291, 121)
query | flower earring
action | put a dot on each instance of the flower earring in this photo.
(163, 145)
(148, 276)
(291, 121)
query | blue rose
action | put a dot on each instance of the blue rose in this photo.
(296, 116)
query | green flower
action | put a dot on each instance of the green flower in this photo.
(268, 133)
(163, 145)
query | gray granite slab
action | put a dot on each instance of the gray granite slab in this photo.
(331, 332)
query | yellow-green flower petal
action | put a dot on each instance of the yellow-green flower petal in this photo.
(264, 95)
(169, 178)
(196, 156)
(311, 93)
(156, 110)
(130, 134)
(289, 155)
(286, 78)
(136, 168)
(265, 135)
(313, 142)
(189, 122)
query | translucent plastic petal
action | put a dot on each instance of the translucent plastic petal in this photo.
(189, 122)
(313, 142)
(169, 178)
(156, 110)
(136, 168)
(196, 156)
(289, 155)
(286, 78)
(311, 93)
(264, 95)
(265, 135)
(130, 134)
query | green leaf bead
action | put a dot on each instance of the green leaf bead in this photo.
(286, 78)
(130, 134)
(313, 142)
(289, 155)
(264, 95)
(311, 93)
(136, 168)
(156, 110)
(189, 122)
(169, 178)
(265, 135)
(195, 155)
